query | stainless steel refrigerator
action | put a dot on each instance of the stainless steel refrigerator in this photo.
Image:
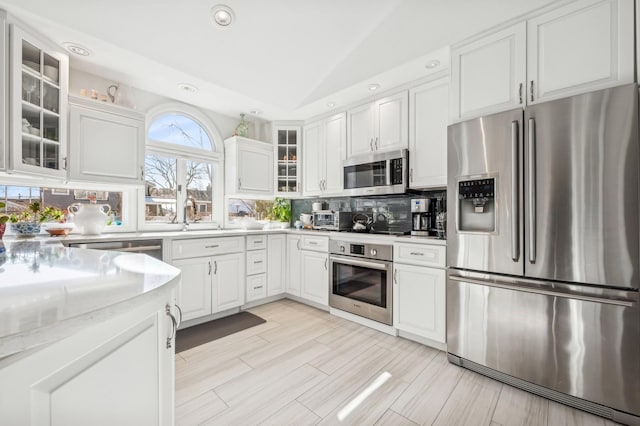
(544, 251)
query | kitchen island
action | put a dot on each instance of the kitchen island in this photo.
(86, 336)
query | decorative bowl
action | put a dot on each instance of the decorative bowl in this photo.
(26, 229)
(58, 229)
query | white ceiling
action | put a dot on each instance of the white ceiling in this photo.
(287, 58)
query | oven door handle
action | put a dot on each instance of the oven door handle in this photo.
(363, 263)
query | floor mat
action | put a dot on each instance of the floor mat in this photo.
(212, 330)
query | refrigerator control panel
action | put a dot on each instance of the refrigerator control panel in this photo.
(480, 188)
(476, 205)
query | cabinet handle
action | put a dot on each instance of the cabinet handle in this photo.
(142, 172)
(174, 325)
(531, 90)
(255, 288)
(298, 244)
(239, 183)
(416, 253)
(375, 144)
(312, 243)
(411, 174)
(395, 276)
(257, 242)
(209, 267)
(371, 144)
(325, 263)
(520, 92)
(64, 163)
(213, 246)
(215, 267)
(256, 262)
(180, 312)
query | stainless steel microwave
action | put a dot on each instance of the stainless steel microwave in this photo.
(377, 173)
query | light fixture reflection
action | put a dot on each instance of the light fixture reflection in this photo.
(355, 402)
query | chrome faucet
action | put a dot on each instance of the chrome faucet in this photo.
(185, 222)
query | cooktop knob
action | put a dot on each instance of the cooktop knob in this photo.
(373, 252)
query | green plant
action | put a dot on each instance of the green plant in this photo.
(4, 218)
(281, 210)
(35, 213)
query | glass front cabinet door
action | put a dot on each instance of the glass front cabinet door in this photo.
(287, 151)
(39, 85)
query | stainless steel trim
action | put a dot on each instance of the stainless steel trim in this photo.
(387, 177)
(139, 248)
(358, 262)
(527, 289)
(374, 157)
(515, 214)
(532, 189)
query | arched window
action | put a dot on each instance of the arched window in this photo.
(182, 160)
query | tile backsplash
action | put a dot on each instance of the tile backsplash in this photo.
(395, 210)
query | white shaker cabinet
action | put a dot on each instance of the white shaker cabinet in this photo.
(488, 74)
(378, 126)
(322, 156)
(276, 249)
(287, 140)
(38, 105)
(315, 276)
(106, 142)
(579, 47)
(428, 134)
(293, 264)
(584, 46)
(248, 167)
(228, 282)
(194, 291)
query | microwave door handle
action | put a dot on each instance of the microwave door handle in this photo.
(387, 174)
(515, 216)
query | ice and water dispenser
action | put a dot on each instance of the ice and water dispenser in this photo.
(477, 205)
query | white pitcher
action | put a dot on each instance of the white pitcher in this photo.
(90, 218)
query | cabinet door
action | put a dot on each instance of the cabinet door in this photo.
(419, 301)
(194, 291)
(584, 46)
(391, 118)
(293, 265)
(359, 130)
(38, 98)
(335, 147)
(428, 134)
(488, 74)
(276, 248)
(313, 155)
(256, 287)
(228, 282)
(105, 147)
(287, 140)
(315, 277)
(255, 170)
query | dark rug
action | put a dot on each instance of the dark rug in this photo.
(212, 330)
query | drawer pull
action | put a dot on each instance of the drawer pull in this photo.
(312, 243)
(255, 288)
(257, 242)
(213, 246)
(255, 262)
(416, 253)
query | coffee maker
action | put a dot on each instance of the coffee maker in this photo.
(428, 215)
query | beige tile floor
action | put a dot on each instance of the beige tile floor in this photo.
(304, 366)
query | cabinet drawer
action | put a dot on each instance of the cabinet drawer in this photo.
(256, 287)
(256, 262)
(315, 243)
(256, 242)
(206, 247)
(420, 254)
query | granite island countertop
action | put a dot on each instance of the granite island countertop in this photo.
(48, 291)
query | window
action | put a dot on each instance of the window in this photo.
(182, 170)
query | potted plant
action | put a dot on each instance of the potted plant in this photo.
(4, 218)
(281, 211)
(27, 223)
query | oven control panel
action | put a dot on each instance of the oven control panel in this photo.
(362, 250)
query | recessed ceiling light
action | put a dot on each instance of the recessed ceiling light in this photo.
(77, 49)
(432, 64)
(374, 87)
(222, 15)
(255, 112)
(187, 87)
(331, 104)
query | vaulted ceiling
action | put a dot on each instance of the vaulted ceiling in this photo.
(287, 58)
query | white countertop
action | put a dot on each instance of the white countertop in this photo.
(47, 290)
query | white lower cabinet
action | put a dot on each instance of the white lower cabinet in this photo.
(228, 282)
(276, 261)
(314, 283)
(194, 291)
(115, 372)
(419, 303)
(293, 264)
(256, 287)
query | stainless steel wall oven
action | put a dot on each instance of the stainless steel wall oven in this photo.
(361, 277)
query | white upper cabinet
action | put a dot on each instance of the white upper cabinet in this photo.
(378, 126)
(106, 143)
(428, 134)
(583, 46)
(580, 47)
(322, 156)
(488, 74)
(38, 99)
(287, 171)
(248, 167)
(4, 72)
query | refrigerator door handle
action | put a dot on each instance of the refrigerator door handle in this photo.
(515, 215)
(532, 190)
(535, 290)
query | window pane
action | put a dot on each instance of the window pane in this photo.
(199, 191)
(161, 188)
(180, 130)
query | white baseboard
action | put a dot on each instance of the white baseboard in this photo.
(423, 340)
(364, 321)
(307, 302)
(208, 318)
(264, 301)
